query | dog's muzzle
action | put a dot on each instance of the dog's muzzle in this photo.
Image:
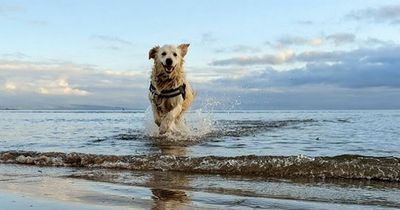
(169, 68)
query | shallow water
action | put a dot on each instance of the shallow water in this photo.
(245, 159)
(311, 133)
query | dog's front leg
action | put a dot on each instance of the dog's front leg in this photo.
(169, 120)
(156, 115)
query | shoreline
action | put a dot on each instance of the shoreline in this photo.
(352, 167)
(33, 187)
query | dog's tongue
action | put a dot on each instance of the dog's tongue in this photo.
(169, 68)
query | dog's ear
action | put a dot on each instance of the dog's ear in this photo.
(153, 52)
(184, 49)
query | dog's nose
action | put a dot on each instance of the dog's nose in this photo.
(168, 61)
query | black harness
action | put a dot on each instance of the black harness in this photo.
(169, 93)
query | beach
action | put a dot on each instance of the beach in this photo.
(176, 105)
(230, 160)
(31, 187)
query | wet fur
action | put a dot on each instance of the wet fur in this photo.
(168, 112)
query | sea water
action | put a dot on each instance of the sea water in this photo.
(233, 133)
(330, 156)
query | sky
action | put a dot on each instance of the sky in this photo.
(252, 54)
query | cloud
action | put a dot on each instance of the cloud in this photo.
(296, 40)
(111, 47)
(341, 38)
(335, 38)
(280, 58)
(362, 68)
(389, 13)
(47, 84)
(15, 55)
(60, 87)
(374, 42)
(123, 73)
(13, 13)
(9, 86)
(313, 56)
(42, 78)
(272, 59)
(302, 97)
(207, 38)
(38, 22)
(7, 9)
(238, 49)
(112, 39)
(305, 22)
(288, 56)
(361, 78)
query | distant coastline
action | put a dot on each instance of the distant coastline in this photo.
(73, 107)
(69, 107)
(7, 109)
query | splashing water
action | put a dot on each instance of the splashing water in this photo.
(196, 124)
(150, 128)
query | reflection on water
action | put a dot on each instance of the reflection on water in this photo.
(165, 193)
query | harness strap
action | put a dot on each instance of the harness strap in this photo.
(169, 93)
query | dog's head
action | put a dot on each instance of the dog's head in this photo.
(168, 56)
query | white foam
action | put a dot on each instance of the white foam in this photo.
(195, 124)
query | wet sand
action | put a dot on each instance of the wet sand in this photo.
(11, 200)
(47, 191)
(32, 187)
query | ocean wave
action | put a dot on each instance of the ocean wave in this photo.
(221, 128)
(343, 166)
(237, 128)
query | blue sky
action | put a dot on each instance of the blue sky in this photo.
(243, 54)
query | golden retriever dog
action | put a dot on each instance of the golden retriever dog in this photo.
(170, 93)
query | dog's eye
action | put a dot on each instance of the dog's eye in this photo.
(164, 54)
(175, 54)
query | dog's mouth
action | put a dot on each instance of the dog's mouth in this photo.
(168, 68)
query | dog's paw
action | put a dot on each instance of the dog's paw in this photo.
(165, 128)
(163, 135)
(162, 131)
